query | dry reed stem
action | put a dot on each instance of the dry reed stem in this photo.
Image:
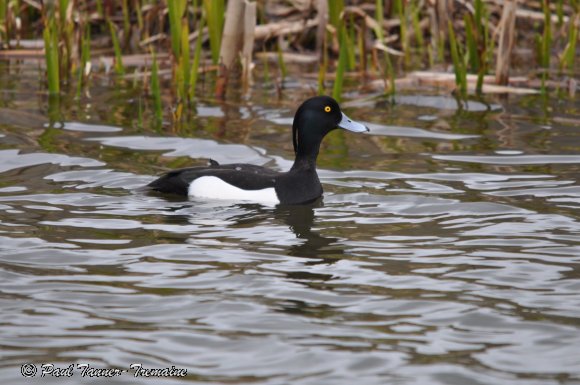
(233, 33)
(231, 44)
(283, 28)
(249, 28)
(506, 42)
(322, 11)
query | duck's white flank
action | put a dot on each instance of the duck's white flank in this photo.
(214, 188)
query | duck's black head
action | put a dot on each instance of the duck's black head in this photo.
(315, 118)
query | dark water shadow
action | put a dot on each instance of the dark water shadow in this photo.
(300, 219)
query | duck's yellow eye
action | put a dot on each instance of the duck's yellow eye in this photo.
(327, 109)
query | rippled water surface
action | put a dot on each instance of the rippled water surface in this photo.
(446, 249)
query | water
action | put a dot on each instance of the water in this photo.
(446, 249)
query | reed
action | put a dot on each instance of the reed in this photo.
(127, 22)
(51, 53)
(323, 66)
(85, 65)
(100, 10)
(139, 12)
(379, 17)
(194, 72)
(184, 61)
(560, 12)
(415, 13)
(335, 8)
(344, 38)
(214, 14)
(544, 44)
(569, 54)
(458, 63)
(140, 113)
(471, 41)
(282, 65)
(350, 41)
(390, 75)
(65, 25)
(156, 89)
(4, 23)
(362, 51)
(267, 76)
(400, 9)
(119, 68)
(176, 10)
(340, 69)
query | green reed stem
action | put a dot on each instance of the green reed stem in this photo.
(85, 58)
(196, 58)
(544, 44)
(4, 22)
(282, 64)
(100, 11)
(390, 74)
(349, 40)
(415, 11)
(472, 44)
(379, 17)
(400, 9)
(51, 55)
(139, 12)
(340, 69)
(458, 63)
(569, 54)
(127, 22)
(185, 52)
(214, 10)
(176, 11)
(335, 8)
(324, 66)
(119, 68)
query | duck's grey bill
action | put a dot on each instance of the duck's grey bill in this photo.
(351, 125)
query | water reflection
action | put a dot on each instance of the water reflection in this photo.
(299, 219)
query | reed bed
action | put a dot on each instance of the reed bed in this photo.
(371, 43)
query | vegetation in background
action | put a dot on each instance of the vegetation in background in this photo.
(371, 41)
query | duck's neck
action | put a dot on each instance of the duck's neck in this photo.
(306, 157)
